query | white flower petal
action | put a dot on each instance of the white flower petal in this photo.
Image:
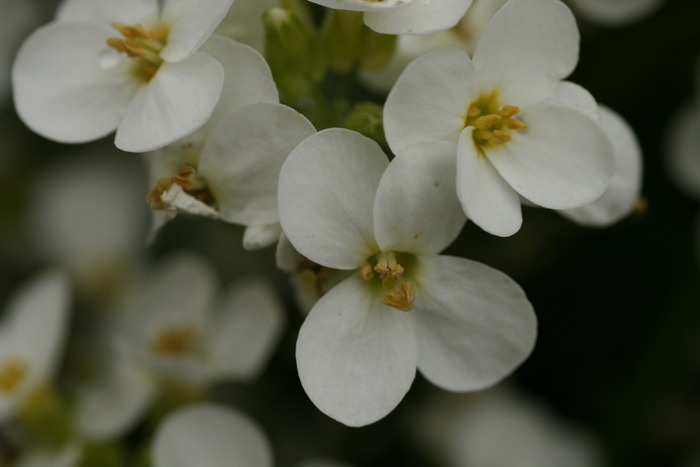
(177, 201)
(364, 5)
(70, 97)
(210, 435)
(105, 12)
(243, 23)
(356, 356)
(430, 99)
(420, 17)
(108, 407)
(622, 193)
(575, 97)
(245, 331)
(247, 76)
(256, 237)
(33, 330)
(486, 198)
(191, 24)
(473, 324)
(69, 456)
(417, 210)
(242, 158)
(178, 100)
(529, 46)
(563, 160)
(326, 197)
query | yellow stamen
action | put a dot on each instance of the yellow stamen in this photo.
(492, 121)
(400, 294)
(141, 44)
(12, 372)
(185, 178)
(174, 340)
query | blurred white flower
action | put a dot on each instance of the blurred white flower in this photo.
(463, 324)
(404, 16)
(615, 12)
(32, 336)
(231, 172)
(69, 456)
(500, 428)
(622, 195)
(88, 215)
(510, 140)
(126, 65)
(173, 325)
(210, 435)
(465, 35)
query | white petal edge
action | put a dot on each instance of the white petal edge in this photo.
(473, 324)
(326, 197)
(365, 5)
(420, 17)
(486, 197)
(210, 435)
(417, 210)
(623, 192)
(191, 24)
(430, 99)
(177, 101)
(683, 149)
(356, 356)
(527, 48)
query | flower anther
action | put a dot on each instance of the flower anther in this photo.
(189, 181)
(492, 121)
(143, 45)
(174, 340)
(12, 372)
(399, 293)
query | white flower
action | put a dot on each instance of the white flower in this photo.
(500, 428)
(231, 172)
(622, 196)
(32, 335)
(464, 325)
(69, 456)
(174, 326)
(404, 16)
(17, 19)
(117, 64)
(210, 435)
(615, 12)
(243, 22)
(511, 139)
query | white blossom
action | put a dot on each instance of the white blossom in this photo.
(32, 337)
(125, 65)
(511, 138)
(615, 12)
(462, 324)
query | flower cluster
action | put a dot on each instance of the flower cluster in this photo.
(360, 201)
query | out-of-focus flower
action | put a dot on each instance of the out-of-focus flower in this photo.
(404, 16)
(116, 64)
(500, 428)
(462, 324)
(465, 35)
(32, 336)
(615, 12)
(243, 22)
(69, 456)
(510, 138)
(622, 195)
(231, 172)
(210, 435)
(88, 215)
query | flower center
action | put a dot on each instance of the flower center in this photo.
(186, 178)
(174, 340)
(142, 45)
(492, 121)
(12, 372)
(399, 293)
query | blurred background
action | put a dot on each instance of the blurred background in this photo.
(618, 354)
